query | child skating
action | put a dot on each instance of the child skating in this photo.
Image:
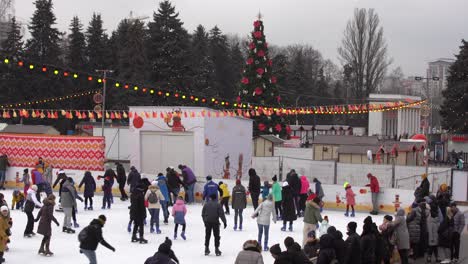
(89, 189)
(178, 212)
(45, 218)
(350, 201)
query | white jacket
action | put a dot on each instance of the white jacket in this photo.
(264, 211)
(32, 197)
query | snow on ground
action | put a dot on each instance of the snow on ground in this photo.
(66, 247)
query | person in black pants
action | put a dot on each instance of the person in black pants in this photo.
(138, 213)
(121, 180)
(254, 187)
(295, 183)
(211, 213)
(31, 202)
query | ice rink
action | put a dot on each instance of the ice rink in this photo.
(66, 247)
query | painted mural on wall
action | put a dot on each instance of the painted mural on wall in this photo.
(176, 118)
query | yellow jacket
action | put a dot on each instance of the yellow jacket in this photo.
(225, 190)
(4, 225)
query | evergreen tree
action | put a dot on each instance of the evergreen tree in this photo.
(76, 57)
(259, 85)
(12, 46)
(202, 67)
(168, 48)
(96, 49)
(43, 45)
(219, 48)
(455, 106)
(237, 63)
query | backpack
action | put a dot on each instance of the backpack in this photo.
(153, 197)
(83, 235)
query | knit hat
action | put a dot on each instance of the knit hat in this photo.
(34, 187)
(311, 234)
(368, 220)
(164, 248)
(285, 184)
(208, 178)
(26, 170)
(453, 204)
(331, 230)
(61, 171)
(154, 183)
(369, 174)
(238, 182)
(288, 241)
(4, 208)
(388, 218)
(168, 241)
(103, 218)
(311, 197)
(274, 178)
(275, 249)
(352, 226)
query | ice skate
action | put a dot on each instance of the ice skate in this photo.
(217, 252)
(266, 248)
(346, 214)
(290, 228)
(143, 241)
(135, 239)
(240, 227)
(207, 251)
(48, 253)
(151, 229)
(90, 208)
(182, 235)
(158, 231)
(283, 228)
(129, 227)
(235, 227)
(76, 225)
(352, 214)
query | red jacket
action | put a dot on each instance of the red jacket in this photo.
(374, 184)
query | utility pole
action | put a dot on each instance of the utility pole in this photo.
(104, 80)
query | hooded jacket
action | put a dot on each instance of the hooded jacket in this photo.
(68, 195)
(414, 224)
(94, 236)
(121, 176)
(276, 192)
(327, 252)
(89, 185)
(254, 182)
(294, 182)
(210, 188)
(162, 183)
(289, 211)
(239, 197)
(304, 185)
(225, 190)
(137, 204)
(265, 212)
(179, 210)
(401, 230)
(249, 255)
(133, 179)
(158, 193)
(212, 211)
(312, 213)
(46, 216)
(350, 196)
(188, 176)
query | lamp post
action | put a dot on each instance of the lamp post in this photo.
(103, 119)
(297, 100)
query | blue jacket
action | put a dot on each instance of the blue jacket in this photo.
(210, 188)
(265, 191)
(162, 183)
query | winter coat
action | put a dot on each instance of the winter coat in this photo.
(248, 256)
(68, 195)
(350, 196)
(26, 179)
(225, 190)
(239, 197)
(31, 201)
(48, 175)
(289, 211)
(414, 224)
(327, 252)
(311, 248)
(46, 216)
(158, 193)
(160, 258)
(188, 176)
(4, 226)
(121, 175)
(162, 183)
(173, 180)
(323, 228)
(340, 246)
(4, 164)
(179, 211)
(210, 189)
(276, 191)
(401, 230)
(36, 177)
(458, 221)
(90, 185)
(211, 213)
(61, 178)
(265, 211)
(94, 236)
(265, 191)
(254, 183)
(425, 186)
(294, 182)
(368, 243)
(318, 189)
(445, 233)
(432, 228)
(296, 255)
(353, 249)
(374, 184)
(443, 198)
(107, 186)
(304, 185)
(133, 179)
(312, 213)
(137, 205)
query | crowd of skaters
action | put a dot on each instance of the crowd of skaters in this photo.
(434, 221)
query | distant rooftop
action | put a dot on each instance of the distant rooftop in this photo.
(30, 129)
(344, 140)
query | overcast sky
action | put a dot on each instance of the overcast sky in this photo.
(417, 31)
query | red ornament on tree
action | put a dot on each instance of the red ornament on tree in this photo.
(273, 79)
(260, 71)
(278, 98)
(138, 122)
(261, 127)
(258, 91)
(278, 127)
(250, 61)
(257, 23)
(261, 53)
(288, 130)
(251, 45)
(245, 80)
(270, 63)
(238, 99)
(266, 44)
(257, 34)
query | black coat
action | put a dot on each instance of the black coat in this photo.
(368, 246)
(339, 246)
(137, 205)
(89, 185)
(311, 248)
(173, 181)
(211, 213)
(254, 182)
(133, 179)
(297, 255)
(326, 253)
(425, 186)
(94, 237)
(160, 258)
(295, 183)
(46, 216)
(289, 211)
(353, 249)
(121, 175)
(445, 232)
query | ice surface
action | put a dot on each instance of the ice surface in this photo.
(66, 246)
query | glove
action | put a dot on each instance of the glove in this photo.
(225, 225)
(57, 224)
(113, 249)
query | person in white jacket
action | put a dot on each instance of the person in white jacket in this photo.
(264, 212)
(31, 202)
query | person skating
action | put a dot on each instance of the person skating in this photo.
(5, 225)
(138, 213)
(265, 190)
(239, 203)
(319, 192)
(164, 255)
(89, 189)
(350, 200)
(375, 189)
(162, 183)
(26, 180)
(17, 200)
(289, 213)
(4, 164)
(189, 181)
(353, 245)
(31, 203)
(305, 185)
(107, 192)
(254, 187)
(225, 196)
(312, 216)
(154, 197)
(45, 218)
(458, 226)
(264, 212)
(251, 253)
(121, 180)
(133, 178)
(277, 197)
(179, 210)
(173, 183)
(211, 213)
(211, 188)
(69, 196)
(91, 236)
(295, 184)
(61, 178)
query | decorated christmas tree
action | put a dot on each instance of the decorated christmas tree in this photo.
(258, 90)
